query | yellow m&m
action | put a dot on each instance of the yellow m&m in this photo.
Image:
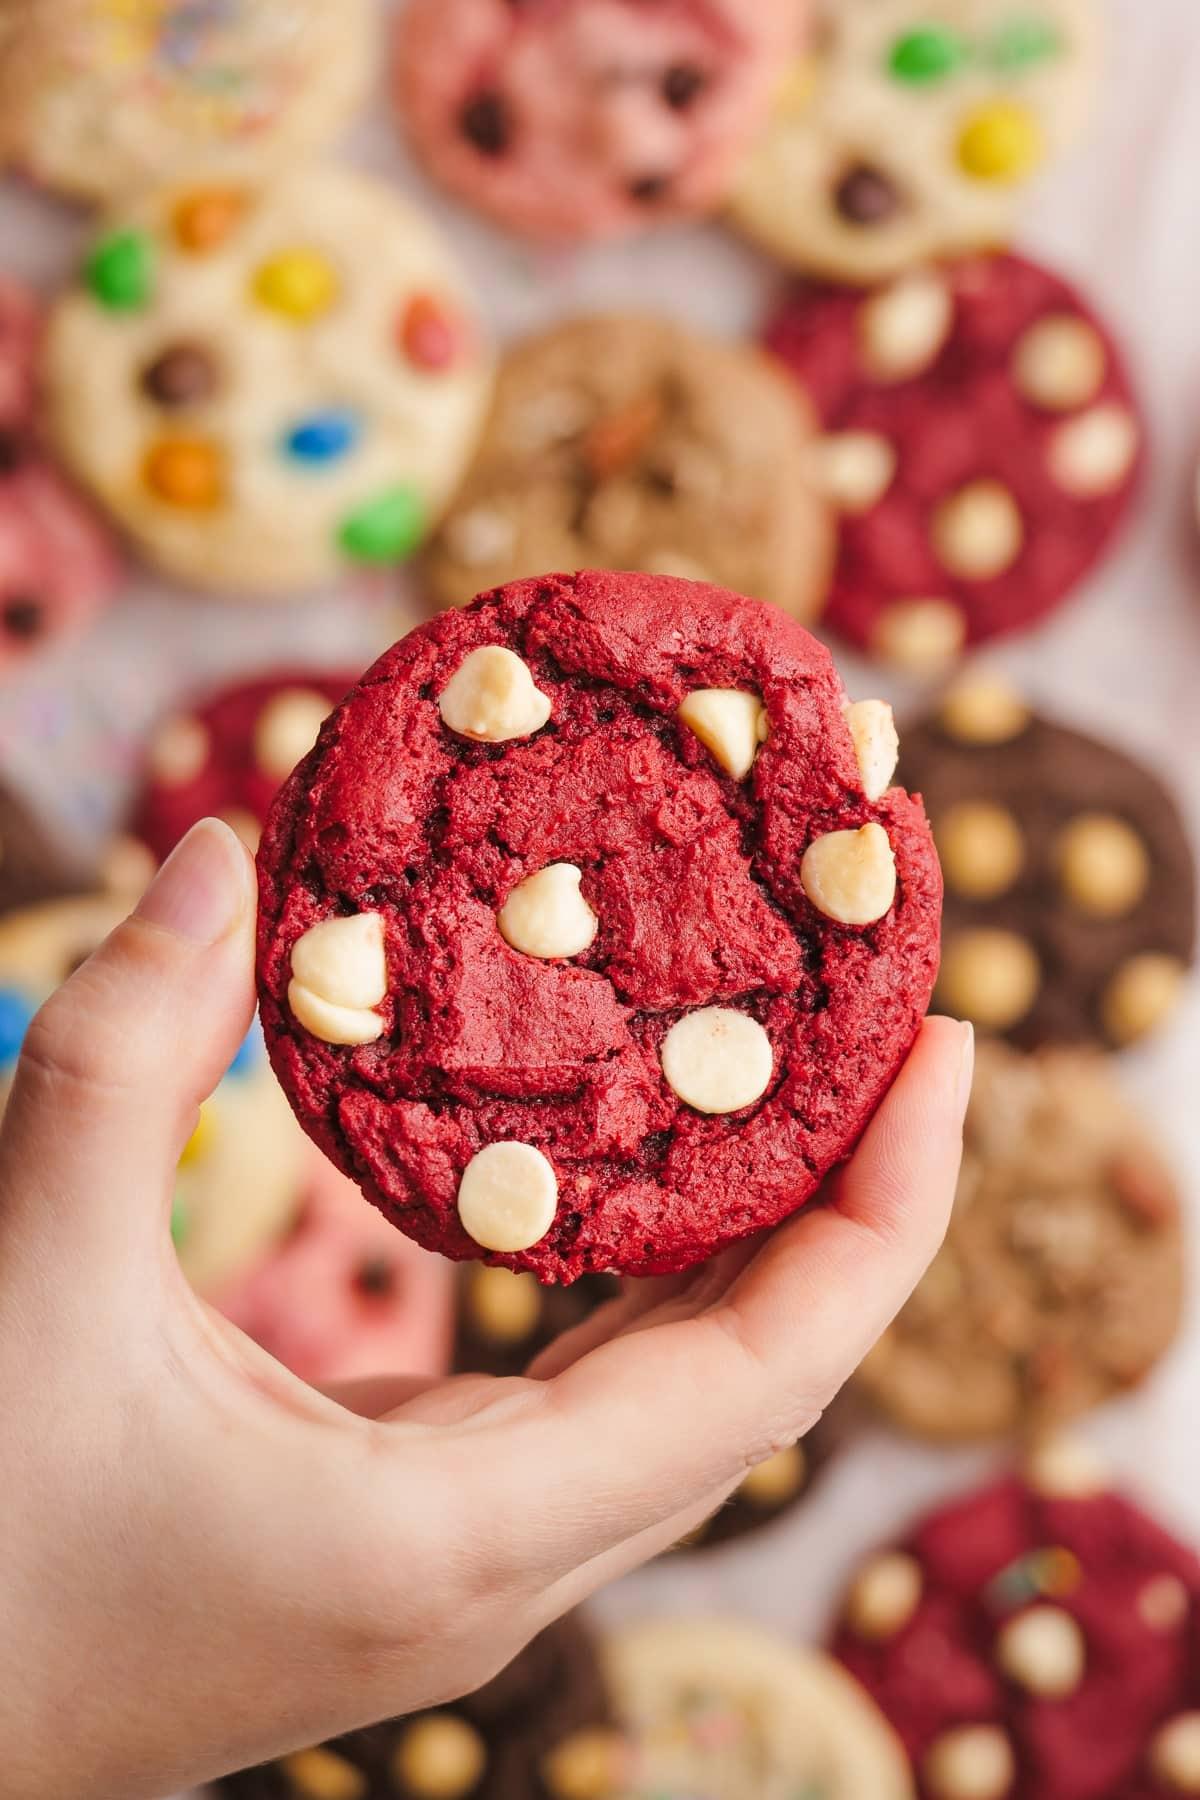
(301, 284)
(1001, 142)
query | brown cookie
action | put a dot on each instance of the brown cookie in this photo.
(1061, 1280)
(539, 1731)
(628, 442)
(32, 867)
(1070, 909)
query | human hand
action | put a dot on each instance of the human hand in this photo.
(206, 1561)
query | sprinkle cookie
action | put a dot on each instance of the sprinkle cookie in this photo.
(1061, 1282)
(104, 97)
(627, 442)
(542, 1730)
(1070, 886)
(269, 386)
(226, 756)
(982, 447)
(727, 1712)
(593, 118)
(238, 1182)
(916, 129)
(577, 925)
(1036, 1640)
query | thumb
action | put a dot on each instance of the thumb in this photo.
(116, 1063)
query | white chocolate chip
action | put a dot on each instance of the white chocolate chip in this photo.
(320, 1774)
(982, 848)
(717, 1059)
(1103, 865)
(921, 637)
(588, 1765)
(1093, 454)
(989, 976)
(480, 537)
(978, 532)
(339, 975)
(1065, 1468)
(904, 326)
(1175, 1753)
(729, 723)
(1060, 362)
(850, 876)
(1140, 995)
(287, 729)
(178, 751)
(492, 697)
(504, 1306)
(773, 1483)
(546, 915)
(508, 1197)
(439, 1757)
(1043, 1651)
(853, 469)
(876, 744)
(885, 1595)
(972, 1762)
(1164, 1603)
(983, 709)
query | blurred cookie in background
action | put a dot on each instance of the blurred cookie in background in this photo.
(101, 97)
(982, 446)
(33, 864)
(588, 118)
(344, 1295)
(268, 387)
(227, 755)
(542, 1730)
(629, 442)
(1070, 907)
(1062, 1279)
(774, 1489)
(916, 130)
(238, 1182)
(21, 324)
(1035, 1639)
(720, 1709)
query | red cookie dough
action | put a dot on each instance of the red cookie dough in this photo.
(984, 444)
(344, 1296)
(576, 119)
(1037, 1640)
(227, 755)
(684, 1044)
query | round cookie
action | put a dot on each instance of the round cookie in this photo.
(1061, 1281)
(106, 97)
(1038, 1639)
(343, 1296)
(268, 386)
(723, 1711)
(628, 442)
(542, 1730)
(238, 1182)
(225, 756)
(915, 130)
(567, 965)
(983, 444)
(590, 118)
(1070, 911)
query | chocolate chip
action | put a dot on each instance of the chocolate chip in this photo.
(23, 618)
(682, 83)
(649, 188)
(485, 122)
(12, 452)
(376, 1278)
(182, 375)
(865, 196)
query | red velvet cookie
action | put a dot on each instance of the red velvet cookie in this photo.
(226, 756)
(592, 932)
(983, 446)
(1038, 1640)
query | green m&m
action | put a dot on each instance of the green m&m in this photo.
(120, 271)
(386, 529)
(1023, 41)
(928, 54)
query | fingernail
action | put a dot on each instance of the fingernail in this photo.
(202, 890)
(966, 1067)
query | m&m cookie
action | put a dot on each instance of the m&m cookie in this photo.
(574, 119)
(915, 129)
(1038, 1639)
(983, 443)
(629, 442)
(1070, 907)
(1061, 1281)
(593, 931)
(99, 98)
(269, 386)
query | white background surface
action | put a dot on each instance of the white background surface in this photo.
(1123, 217)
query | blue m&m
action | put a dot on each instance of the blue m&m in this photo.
(16, 1015)
(324, 436)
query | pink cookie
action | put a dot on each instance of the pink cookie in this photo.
(20, 338)
(345, 1295)
(58, 565)
(577, 119)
